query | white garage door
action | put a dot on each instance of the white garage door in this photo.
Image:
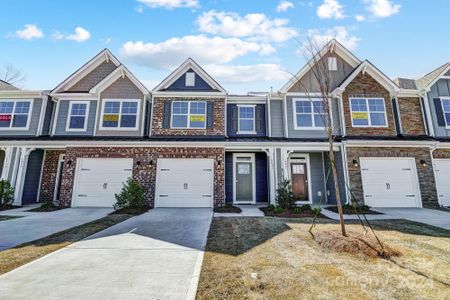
(98, 179)
(184, 183)
(390, 182)
(442, 171)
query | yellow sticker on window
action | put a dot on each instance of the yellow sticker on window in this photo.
(111, 118)
(197, 118)
(360, 115)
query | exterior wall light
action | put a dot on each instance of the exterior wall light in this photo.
(355, 163)
(423, 163)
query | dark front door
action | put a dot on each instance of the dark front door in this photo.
(299, 178)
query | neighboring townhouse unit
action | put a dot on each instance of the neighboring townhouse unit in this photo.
(192, 144)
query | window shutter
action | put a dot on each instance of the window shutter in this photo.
(209, 114)
(167, 112)
(439, 112)
(259, 119)
(234, 119)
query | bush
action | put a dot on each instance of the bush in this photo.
(6, 193)
(278, 210)
(297, 210)
(271, 207)
(317, 210)
(306, 207)
(132, 195)
(285, 196)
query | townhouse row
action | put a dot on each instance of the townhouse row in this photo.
(192, 144)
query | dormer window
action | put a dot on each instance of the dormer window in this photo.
(332, 63)
(190, 79)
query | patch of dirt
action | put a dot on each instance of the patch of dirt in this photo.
(8, 207)
(351, 211)
(354, 243)
(131, 211)
(287, 213)
(228, 209)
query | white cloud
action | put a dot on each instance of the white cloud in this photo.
(256, 27)
(382, 8)
(30, 32)
(330, 9)
(319, 39)
(139, 9)
(284, 6)
(360, 18)
(170, 4)
(203, 49)
(80, 35)
(247, 73)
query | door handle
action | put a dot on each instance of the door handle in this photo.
(388, 186)
(185, 186)
(105, 185)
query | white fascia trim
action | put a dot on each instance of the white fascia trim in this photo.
(419, 144)
(21, 94)
(151, 115)
(115, 75)
(74, 96)
(247, 101)
(428, 87)
(104, 55)
(345, 54)
(286, 126)
(189, 94)
(268, 116)
(408, 93)
(183, 68)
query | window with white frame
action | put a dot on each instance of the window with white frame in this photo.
(15, 114)
(246, 119)
(368, 112)
(446, 110)
(332, 63)
(78, 114)
(120, 114)
(309, 114)
(188, 114)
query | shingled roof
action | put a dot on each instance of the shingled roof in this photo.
(426, 80)
(4, 86)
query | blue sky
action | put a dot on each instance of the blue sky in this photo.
(247, 45)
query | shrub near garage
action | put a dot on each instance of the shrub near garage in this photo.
(131, 198)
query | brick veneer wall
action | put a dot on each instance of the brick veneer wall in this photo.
(441, 153)
(426, 175)
(49, 170)
(411, 116)
(218, 118)
(366, 86)
(143, 170)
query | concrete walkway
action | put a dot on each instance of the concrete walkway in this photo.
(157, 255)
(431, 217)
(246, 211)
(36, 225)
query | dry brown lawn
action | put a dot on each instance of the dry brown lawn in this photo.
(271, 258)
(25, 253)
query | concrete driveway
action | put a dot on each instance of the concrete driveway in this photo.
(157, 255)
(431, 217)
(36, 225)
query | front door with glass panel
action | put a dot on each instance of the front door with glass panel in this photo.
(299, 177)
(243, 174)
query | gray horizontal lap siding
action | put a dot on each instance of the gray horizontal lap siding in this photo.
(317, 177)
(32, 177)
(63, 114)
(46, 127)
(276, 118)
(317, 133)
(340, 177)
(440, 89)
(34, 121)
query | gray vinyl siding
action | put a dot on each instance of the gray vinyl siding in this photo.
(276, 118)
(279, 167)
(2, 161)
(13, 157)
(32, 177)
(440, 89)
(34, 121)
(340, 177)
(63, 114)
(46, 127)
(317, 179)
(318, 133)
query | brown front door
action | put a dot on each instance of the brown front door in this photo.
(299, 178)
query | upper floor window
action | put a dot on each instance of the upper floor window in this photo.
(246, 119)
(15, 114)
(368, 112)
(77, 119)
(188, 114)
(120, 114)
(309, 114)
(446, 110)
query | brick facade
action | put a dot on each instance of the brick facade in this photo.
(49, 173)
(411, 116)
(425, 173)
(144, 166)
(218, 118)
(363, 85)
(441, 153)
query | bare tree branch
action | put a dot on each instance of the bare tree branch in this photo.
(12, 75)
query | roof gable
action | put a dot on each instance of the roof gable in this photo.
(90, 74)
(120, 72)
(6, 86)
(429, 79)
(333, 47)
(175, 82)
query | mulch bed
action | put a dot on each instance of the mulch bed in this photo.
(290, 214)
(8, 207)
(354, 243)
(227, 209)
(351, 211)
(130, 211)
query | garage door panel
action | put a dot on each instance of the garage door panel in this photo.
(442, 171)
(390, 182)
